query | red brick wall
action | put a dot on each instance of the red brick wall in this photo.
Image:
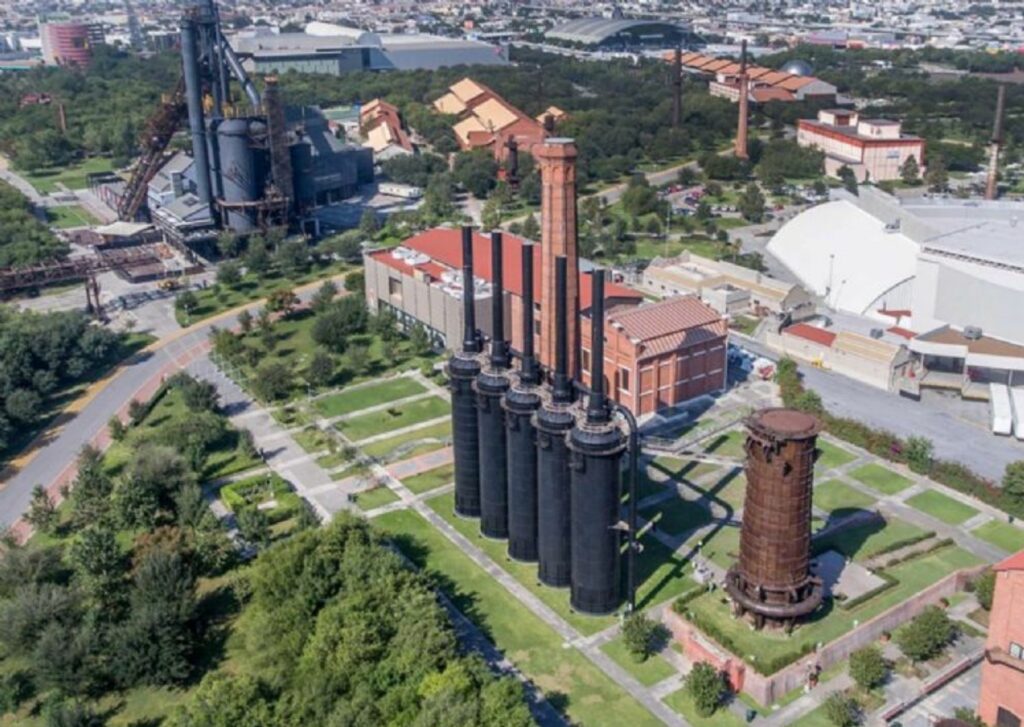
(1002, 685)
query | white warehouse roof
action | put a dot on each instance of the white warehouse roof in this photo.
(848, 257)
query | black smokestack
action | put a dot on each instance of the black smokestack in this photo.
(530, 371)
(562, 389)
(470, 339)
(597, 406)
(499, 346)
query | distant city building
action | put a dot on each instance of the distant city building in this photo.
(622, 34)
(875, 149)
(792, 83)
(487, 121)
(66, 44)
(1002, 671)
(357, 50)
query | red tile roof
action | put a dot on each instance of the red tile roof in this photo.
(895, 312)
(1014, 562)
(444, 245)
(669, 325)
(811, 333)
(904, 332)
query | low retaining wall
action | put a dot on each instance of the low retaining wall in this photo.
(769, 689)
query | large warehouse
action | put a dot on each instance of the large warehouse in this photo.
(621, 33)
(950, 272)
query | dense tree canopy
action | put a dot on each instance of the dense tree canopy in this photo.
(24, 240)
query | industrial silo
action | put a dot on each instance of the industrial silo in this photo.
(521, 402)
(463, 368)
(596, 445)
(239, 175)
(490, 386)
(772, 580)
(551, 422)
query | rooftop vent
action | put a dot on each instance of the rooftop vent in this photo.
(972, 333)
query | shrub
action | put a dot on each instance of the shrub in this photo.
(927, 635)
(842, 710)
(919, 454)
(984, 589)
(868, 667)
(116, 428)
(706, 688)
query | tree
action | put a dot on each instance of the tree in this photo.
(841, 710)
(90, 495)
(253, 526)
(116, 428)
(419, 340)
(273, 381)
(919, 454)
(245, 321)
(321, 369)
(751, 203)
(229, 273)
(186, 301)
(71, 713)
(137, 411)
(927, 635)
(638, 632)
(292, 258)
(810, 402)
(323, 296)
(228, 700)
(23, 405)
(355, 282)
(228, 244)
(531, 228)
(342, 319)
(687, 176)
(476, 171)
(98, 563)
(257, 258)
(985, 588)
(937, 176)
(868, 667)
(282, 300)
(1013, 483)
(820, 187)
(910, 173)
(357, 359)
(706, 688)
(368, 223)
(848, 178)
(42, 512)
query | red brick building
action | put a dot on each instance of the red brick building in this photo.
(661, 354)
(1002, 671)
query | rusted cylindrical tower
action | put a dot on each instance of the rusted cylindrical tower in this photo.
(772, 580)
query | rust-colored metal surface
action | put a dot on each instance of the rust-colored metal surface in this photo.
(772, 579)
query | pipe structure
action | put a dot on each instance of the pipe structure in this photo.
(463, 368)
(194, 99)
(992, 179)
(596, 445)
(632, 546)
(552, 421)
(240, 75)
(521, 402)
(490, 386)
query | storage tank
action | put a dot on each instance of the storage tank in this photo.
(463, 368)
(551, 422)
(521, 402)
(239, 175)
(596, 444)
(490, 387)
(772, 580)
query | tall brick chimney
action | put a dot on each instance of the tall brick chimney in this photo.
(557, 160)
(741, 127)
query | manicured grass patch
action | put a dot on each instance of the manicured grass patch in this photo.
(585, 694)
(377, 497)
(683, 469)
(721, 545)
(312, 439)
(727, 491)
(291, 416)
(261, 489)
(648, 672)
(832, 456)
(727, 445)
(677, 515)
(363, 397)
(943, 507)
(767, 650)
(681, 702)
(881, 478)
(867, 539)
(69, 216)
(833, 495)
(431, 479)
(73, 176)
(404, 415)
(744, 324)
(392, 447)
(1002, 535)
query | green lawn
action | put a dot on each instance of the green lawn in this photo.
(578, 687)
(69, 216)
(681, 702)
(648, 672)
(744, 324)
(829, 622)
(832, 456)
(861, 542)
(834, 495)
(728, 490)
(678, 516)
(312, 439)
(381, 449)
(1002, 535)
(374, 498)
(262, 489)
(943, 507)
(72, 176)
(727, 445)
(363, 397)
(404, 415)
(431, 479)
(721, 545)
(881, 478)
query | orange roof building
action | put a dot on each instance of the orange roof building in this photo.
(764, 84)
(1002, 671)
(381, 125)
